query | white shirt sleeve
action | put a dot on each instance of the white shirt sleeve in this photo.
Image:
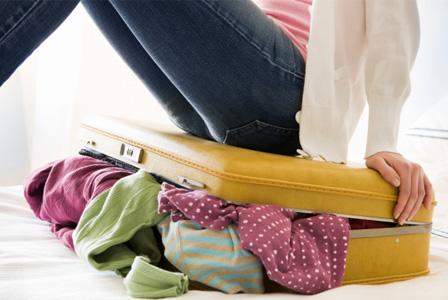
(392, 38)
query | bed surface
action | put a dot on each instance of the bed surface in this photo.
(35, 265)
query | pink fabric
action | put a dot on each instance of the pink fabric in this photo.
(306, 255)
(59, 191)
(293, 16)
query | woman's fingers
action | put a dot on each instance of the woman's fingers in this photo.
(414, 186)
(385, 170)
(413, 195)
(404, 171)
(421, 195)
(429, 197)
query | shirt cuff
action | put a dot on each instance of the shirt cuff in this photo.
(383, 130)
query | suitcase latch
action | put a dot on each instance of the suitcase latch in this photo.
(131, 152)
(193, 184)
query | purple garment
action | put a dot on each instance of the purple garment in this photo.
(59, 191)
(306, 255)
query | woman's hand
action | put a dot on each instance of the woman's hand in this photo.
(415, 187)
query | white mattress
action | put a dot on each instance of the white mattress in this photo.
(35, 265)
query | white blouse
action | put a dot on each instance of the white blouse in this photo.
(359, 51)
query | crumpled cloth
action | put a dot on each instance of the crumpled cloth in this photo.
(306, 255)
(214, 258)
(59, 191)
(145, 280)
(116, 233)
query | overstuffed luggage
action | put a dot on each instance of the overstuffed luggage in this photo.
(246, 176)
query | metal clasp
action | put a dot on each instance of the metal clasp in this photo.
(131, 152)
(88, 142)
(193, 184)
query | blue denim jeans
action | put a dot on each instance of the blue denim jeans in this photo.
(221, 69)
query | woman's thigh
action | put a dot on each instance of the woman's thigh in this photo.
(179, 110)
(232, 63)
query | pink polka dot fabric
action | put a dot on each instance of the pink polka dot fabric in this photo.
(304, 254)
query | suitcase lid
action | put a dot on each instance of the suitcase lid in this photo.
(246, 176)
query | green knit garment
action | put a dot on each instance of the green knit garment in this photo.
(115, 233)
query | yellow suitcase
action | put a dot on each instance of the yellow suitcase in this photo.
(246, 176)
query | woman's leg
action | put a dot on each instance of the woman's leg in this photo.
(232, 63)
(24, 24)
(128, 47)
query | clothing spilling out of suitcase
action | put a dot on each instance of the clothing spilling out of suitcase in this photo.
(164, 240)
(250, 149)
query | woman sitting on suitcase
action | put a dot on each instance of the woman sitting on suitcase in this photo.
(234, 71)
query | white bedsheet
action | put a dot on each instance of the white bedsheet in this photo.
(35, 265)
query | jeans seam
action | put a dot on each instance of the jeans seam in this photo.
(20, 21)
(259, 125)
(276, 128)
(250, 41)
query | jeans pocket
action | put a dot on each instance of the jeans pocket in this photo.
(261, 136)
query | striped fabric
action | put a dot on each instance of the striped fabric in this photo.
(212, 257)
